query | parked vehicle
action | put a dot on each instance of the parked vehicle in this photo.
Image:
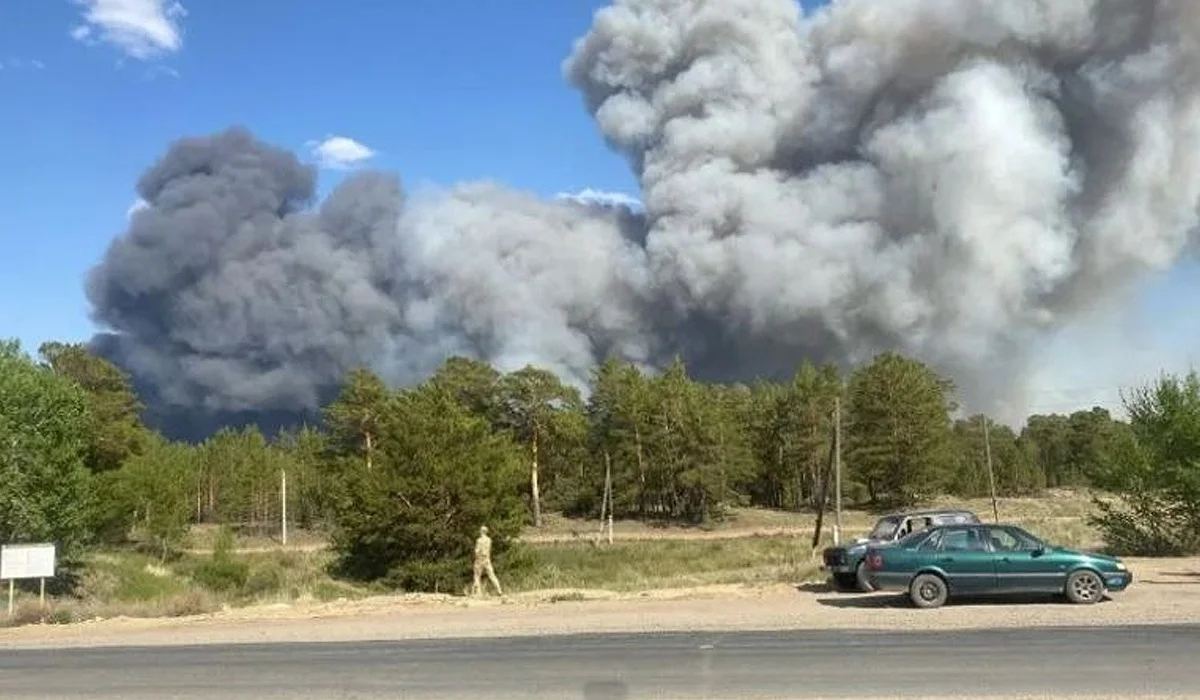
(845, 563)
(975, 559)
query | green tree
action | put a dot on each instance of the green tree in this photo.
(1015, 470)
(898, 435)
(114, 427)
(239, 473)
(440, 473)
(1048, 440)
(1155, 468)
(694, 448)
(1068, 449)
(534, 402)
(353, 421)
(476, 385)
(159, 483)
(618, 412)
(45, 488)
(311, 476)
(770, 487)
(803, 433)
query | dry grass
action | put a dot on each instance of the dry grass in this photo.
(1059, 516)
(201, 539)
(128, 584)
(655, 564)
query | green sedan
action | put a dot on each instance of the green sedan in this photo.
(974, 559)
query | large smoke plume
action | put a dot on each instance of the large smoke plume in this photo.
(949, 178)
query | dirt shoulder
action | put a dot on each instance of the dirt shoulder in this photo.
(1165, 591)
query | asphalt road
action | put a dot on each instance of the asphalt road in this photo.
(1047, 662)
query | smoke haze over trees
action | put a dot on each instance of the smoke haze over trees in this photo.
(948, 180)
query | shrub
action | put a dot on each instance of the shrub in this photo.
(223, 572)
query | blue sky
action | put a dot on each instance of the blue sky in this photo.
(92, 91)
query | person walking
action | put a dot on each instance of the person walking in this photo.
(483, 562)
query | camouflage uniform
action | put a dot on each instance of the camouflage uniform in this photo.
(483, 562)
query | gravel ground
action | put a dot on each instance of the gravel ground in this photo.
(1164, 591)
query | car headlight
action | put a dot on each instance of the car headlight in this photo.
(1120, 566)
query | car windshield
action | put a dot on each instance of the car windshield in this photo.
(884, 529)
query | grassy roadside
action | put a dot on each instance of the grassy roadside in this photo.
(128, 584)
(752, 547)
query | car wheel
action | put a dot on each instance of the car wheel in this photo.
(845, 582)
(860, 575)
(928, 591)
(1085, 587)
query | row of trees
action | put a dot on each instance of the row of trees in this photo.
(402, 478)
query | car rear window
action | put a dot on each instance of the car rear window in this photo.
(884, 529)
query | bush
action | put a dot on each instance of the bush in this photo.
(223, 572)
(430, 576)
(190, 603)
(264, 581)
(1147, 527)
(27, 613)
(1156, 472)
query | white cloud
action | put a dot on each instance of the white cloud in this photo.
(138, 205)
(340, 152)
(141, 29)
(592, 196)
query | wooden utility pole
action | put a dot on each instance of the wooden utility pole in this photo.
(283, 506)
(987, 451)
(837, 470)
(823, 498)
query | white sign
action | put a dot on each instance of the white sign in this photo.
(26, 561)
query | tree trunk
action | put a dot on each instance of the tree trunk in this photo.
(533, 482)
(212, 494)
(777, 480)
(370, 449)
(637, 443)
(799, 485)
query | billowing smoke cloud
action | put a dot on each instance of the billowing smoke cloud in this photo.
(949, 178)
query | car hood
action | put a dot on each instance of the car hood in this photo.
(1090, 555)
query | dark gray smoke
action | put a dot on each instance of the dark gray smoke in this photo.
(949, 178)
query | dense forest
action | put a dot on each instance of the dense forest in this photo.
(401, 478)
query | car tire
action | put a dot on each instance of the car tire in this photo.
(1085, 587)
(860, 575)
(928, 591)
(845, 583)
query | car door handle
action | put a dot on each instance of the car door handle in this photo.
(1006, 560)
(947, 559)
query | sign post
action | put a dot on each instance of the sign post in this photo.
(24, 561)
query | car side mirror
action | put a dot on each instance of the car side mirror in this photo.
(1041, 549)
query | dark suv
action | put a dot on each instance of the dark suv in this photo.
(845, 562)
